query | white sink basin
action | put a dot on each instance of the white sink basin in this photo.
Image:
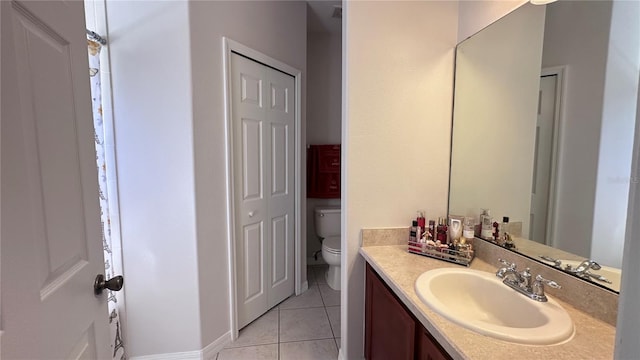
(479, 301)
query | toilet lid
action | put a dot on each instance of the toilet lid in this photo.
(332, 244)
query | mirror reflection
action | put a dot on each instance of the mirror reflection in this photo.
(544, 117)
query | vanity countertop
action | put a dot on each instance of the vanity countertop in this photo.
(593, 339)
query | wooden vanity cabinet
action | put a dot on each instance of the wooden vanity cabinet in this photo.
(391, 331)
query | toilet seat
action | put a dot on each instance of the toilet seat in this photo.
(331, 244)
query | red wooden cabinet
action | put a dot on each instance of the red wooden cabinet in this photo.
(391, 331)
(323, 172)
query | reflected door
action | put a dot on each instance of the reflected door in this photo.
(544, 147)
(263, 157)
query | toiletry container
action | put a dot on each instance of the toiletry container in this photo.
(327, 224)
(487, 225)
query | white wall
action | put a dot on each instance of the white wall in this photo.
(277, 29)
(616, 133)
(627, 345)
(168, 86)
(324, 93)
(581, 44)
(474, 15)
(150, 58)
(398, 88)
(324, 105)
(497, 85)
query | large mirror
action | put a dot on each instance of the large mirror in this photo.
(544, 117)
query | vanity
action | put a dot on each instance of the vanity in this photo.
(532, 140)
(422, 333)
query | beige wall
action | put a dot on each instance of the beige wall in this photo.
(398, 72)
(474, 15)
(277, 29)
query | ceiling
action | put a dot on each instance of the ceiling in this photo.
(319, 17)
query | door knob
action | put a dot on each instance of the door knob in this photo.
(115, 284)
(250, 213)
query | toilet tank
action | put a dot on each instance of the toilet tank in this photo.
(327, 221)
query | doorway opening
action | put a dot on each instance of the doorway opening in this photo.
(546, 155)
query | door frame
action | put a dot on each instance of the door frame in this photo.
(560, 72)
(230, 46)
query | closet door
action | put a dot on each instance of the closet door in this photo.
(263, 155)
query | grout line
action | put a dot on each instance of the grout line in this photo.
(297, 341)
(330, 326)
(307, 307)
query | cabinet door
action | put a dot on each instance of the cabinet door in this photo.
(428, 348)
(390, 329)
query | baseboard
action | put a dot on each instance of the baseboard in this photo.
(304, 287)
(208, 353)
(188, 355)
(211, 351)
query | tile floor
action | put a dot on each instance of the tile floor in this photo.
(301, 327)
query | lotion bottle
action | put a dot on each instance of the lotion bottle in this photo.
(486, 222)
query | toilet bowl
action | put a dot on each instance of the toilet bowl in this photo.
(331, 255)
(327, 224)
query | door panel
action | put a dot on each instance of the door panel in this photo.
(279, 156)
(263, 172)
(252, 159)
(51, 237)
(282, 200)
(279, 240)
(253, 248)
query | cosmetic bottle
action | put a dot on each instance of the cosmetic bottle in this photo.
(455, 229)
(441, 232)
(431, 231)
(412, 233)
(503, 229)
(421, 219)
(467, 230)
(487, 225)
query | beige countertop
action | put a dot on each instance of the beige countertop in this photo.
(593, 338)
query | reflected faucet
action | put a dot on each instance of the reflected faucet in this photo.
(582, 270)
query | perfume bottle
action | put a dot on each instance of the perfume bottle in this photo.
(441, 232)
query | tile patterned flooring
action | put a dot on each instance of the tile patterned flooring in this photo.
(301, 327)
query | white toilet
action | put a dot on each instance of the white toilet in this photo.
(327, 222)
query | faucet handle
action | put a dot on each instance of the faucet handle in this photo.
(551, 283)
(537, 289)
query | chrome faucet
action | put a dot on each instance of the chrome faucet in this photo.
(582, 270)
(522, 283)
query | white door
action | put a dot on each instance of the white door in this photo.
(263, 156)
(543, 158)
(51, 240)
